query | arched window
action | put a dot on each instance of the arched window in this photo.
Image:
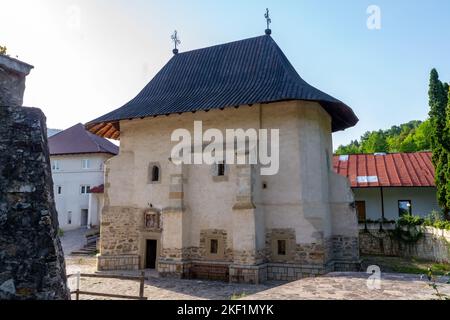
(154, 173)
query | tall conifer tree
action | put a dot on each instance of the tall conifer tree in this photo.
(439, 142)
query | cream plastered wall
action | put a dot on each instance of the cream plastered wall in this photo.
(297, 197)
(423, 201)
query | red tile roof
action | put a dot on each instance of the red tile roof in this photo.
(98, 189)
(77, 140)
(390, 170)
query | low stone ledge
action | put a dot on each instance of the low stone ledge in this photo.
(113, 263)
(248, 274)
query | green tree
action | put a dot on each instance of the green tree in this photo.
(408, 137)
(422, 136)
(3, 50)
(375, 142)
(447, 137)
(438, 116)
(408, 144)
(352, 148)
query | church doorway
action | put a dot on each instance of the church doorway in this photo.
(150, 255)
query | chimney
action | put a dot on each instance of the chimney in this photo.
(12, 81)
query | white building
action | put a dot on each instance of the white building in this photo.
(390, 185)
(77, 159)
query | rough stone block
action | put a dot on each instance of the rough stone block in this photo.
(31, 258)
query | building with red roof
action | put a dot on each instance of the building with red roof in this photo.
(390, 185)
(78, 161)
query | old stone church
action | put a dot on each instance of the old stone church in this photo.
(226, 221)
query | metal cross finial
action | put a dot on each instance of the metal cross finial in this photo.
(269, 21)
(176, 41)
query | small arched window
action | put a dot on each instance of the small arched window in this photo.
(154, 173)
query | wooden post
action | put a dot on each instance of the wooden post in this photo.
(77, 294)
(141, 285)
(382, 208)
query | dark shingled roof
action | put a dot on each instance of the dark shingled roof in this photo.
(77, 140)
(244, 72)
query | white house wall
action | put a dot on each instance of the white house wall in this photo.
(423, 201)
(71, 177)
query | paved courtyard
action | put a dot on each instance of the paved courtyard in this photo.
(341, 286)
(354, 286)
(73, 240)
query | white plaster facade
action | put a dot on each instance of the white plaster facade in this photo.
(423, 201)
(77, 209)
(306, 196)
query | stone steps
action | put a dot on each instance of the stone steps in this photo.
(89, 249)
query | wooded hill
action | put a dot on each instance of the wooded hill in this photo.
(408, 137)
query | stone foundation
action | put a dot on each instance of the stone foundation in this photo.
(210, 271)
(338, 253)
(248, 274)
(125, 262)
(119, 230)
(174, 269)
(345, 248)
(292, 272)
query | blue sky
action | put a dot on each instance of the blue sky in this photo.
(91, 56)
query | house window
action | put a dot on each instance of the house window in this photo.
(85, 189)
(281, 247)
(214, 246)
(69, 217)
(404, 207)
(85, 164)
(361, 210)
(154, 173)
(58, 190)
(55, 165)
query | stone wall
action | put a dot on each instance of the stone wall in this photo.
(12, 81)
(31, 258)
(119, 230)
(434, 245)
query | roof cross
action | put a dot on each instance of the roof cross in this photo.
(269, 21)
(176, 41)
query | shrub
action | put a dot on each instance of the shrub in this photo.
(445, 225)
(434, 219)
(410, 221)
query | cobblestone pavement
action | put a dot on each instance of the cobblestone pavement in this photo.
(342, 286)
(157, 288)
(353, 286)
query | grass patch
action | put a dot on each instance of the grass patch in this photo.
(237, 296)
(406, 265)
